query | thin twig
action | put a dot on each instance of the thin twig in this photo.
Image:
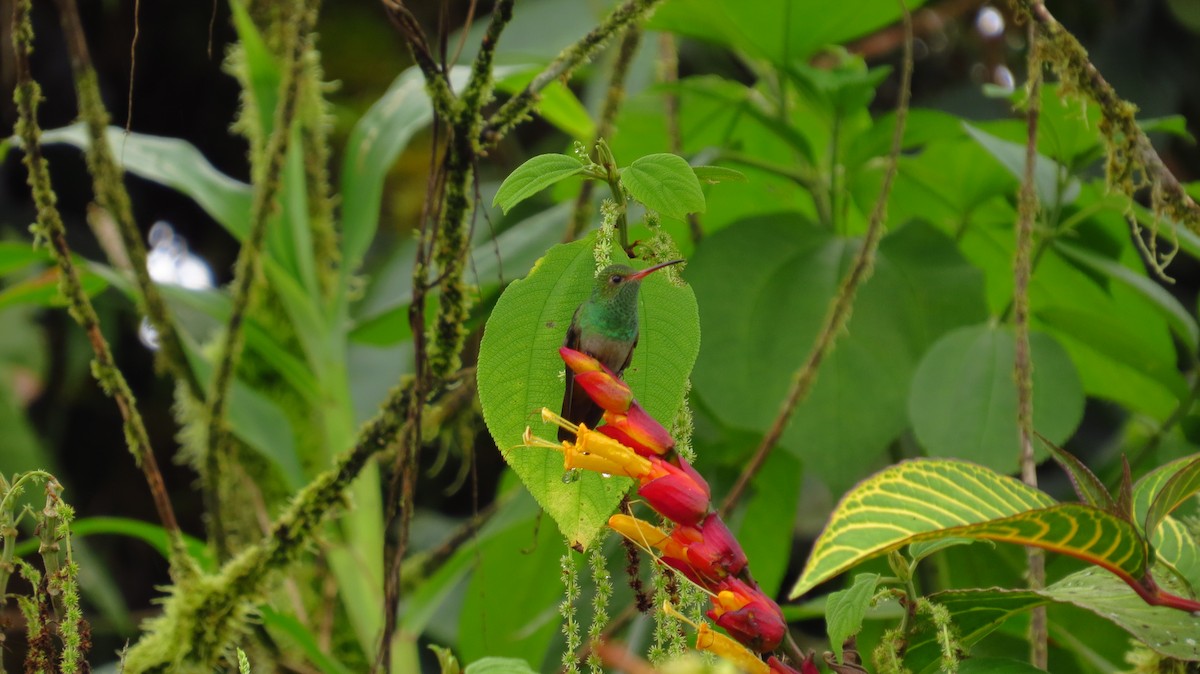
(410, 29)
(443, 240)
(517, 108)
(50, 226)
(1023, 365)
(249, 259)
(842, 303)
(630, 40)
(111, 194)
(668, 64)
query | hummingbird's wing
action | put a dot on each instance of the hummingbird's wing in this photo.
(576, 404)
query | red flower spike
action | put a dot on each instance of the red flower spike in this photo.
(748, 615)
(610, 393)
(716, 552)
(638, 430)
(674, 493)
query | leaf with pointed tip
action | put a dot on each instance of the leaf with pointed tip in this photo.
(665, 183)
(898, 505)
(520, 372)
(1046, 171)
(534, 176)
(1087, 486)
(718, 174)
(1177, 489)
(1181, 322)
(176, 164)
(932, 499)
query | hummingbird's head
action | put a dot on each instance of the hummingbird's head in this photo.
(619, 279)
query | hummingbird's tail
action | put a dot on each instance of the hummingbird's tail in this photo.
(578, 408)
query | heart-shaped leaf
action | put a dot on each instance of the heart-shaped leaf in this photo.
(520, 372)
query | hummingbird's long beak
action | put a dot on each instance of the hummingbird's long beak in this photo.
(637, 276)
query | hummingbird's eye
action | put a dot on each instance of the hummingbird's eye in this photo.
(615, 279)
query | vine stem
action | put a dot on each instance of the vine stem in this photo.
(843, 301)
(114, 199)
(1070, 60)
(615, 95)
(1023, 365)
(517, 109)
(50, 225)
(246, 270)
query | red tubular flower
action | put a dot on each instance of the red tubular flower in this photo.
(748, 615)
(678, 493)
(602, 385)
(706, 554)
(710, 553)
(638, 430)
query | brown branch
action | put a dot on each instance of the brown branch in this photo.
(1023, 365)
(840, 307)
(630, 40)
(418, 45)
(668, 61)
(1132, 160)
(50, 226)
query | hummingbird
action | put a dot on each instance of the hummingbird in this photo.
(605, 327)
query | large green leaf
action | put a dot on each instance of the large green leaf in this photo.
(176, 164)
(514, 587)
(520, 372)
(963, 401)
(1182, 323)
(780, 31)
(897, 505)
(766, 284)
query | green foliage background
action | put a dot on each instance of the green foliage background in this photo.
(923, 369)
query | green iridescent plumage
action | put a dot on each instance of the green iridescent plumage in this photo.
(605, 327)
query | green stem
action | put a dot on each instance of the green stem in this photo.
(267, 187)
(111, 194)
(840, 306)
(50, 227)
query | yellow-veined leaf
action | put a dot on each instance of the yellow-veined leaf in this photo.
(931, 499)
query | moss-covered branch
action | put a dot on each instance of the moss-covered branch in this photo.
(249, 262)
(114, 199)
(50, 228)
(203, 618)
(517, 109)
(1133, 162)
(843, 301)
